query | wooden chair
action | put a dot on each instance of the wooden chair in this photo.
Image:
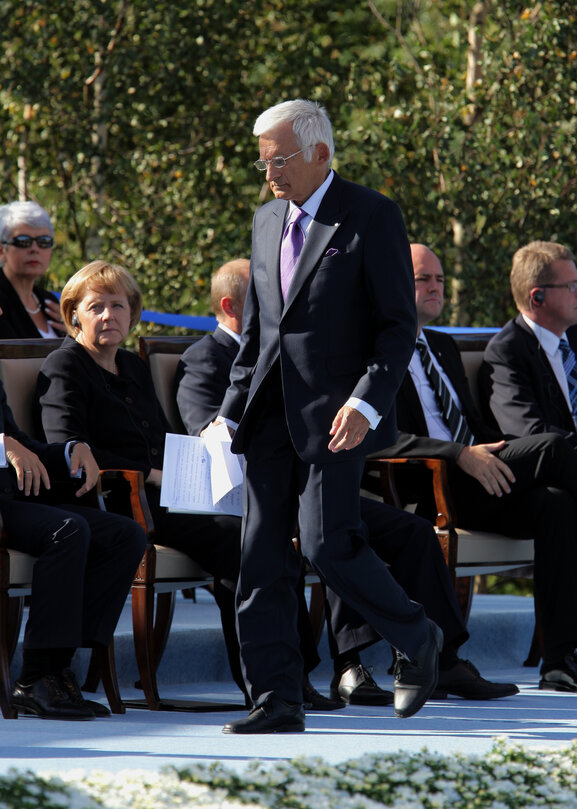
(20, 361)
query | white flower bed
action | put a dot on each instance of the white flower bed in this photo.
(506, 778)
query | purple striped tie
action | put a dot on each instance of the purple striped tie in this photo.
(291, 246)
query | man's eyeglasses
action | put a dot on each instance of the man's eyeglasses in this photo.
(24, 242)
(571, 286)
(275, 162)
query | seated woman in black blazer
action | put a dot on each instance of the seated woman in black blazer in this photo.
(90, 389)
(26, 243)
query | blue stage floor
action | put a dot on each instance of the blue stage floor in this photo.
(142, 739)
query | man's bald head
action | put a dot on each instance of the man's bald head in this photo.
(429, 283)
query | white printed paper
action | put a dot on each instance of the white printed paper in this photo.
(201, 475)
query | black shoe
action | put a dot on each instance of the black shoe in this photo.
(355, 686)
(74, 693)
(313, 701)
(463, 680)
(415, 680)
(47, 699)
(273, 716)
(560, 677)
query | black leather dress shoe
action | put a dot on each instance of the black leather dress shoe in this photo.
(463, 680)
(75, 695)
(355, 686)
(415, 680)
(47, 699)
(273, 716)
(313, 701)
(561, 676)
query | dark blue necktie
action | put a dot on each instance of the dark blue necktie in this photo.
(454, 419)
(570, 368)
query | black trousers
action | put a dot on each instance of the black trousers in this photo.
(213, 541)
(86, 563)
(542, 505)
(281, 490)
(408, 545)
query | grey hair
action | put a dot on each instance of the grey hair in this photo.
(28, 213)
(311, 124)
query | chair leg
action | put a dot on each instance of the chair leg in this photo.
(165, 604)
(107, 666)
(464, 590)
(143, 629)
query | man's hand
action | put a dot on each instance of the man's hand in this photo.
(30, 470)
(213, 424)
(481, 463)
(82, 458)
(348, 429)
(155, 477)
(53, 316)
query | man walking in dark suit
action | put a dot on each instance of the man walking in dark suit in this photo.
(528, 378)
(405, 542)
(524, 487)
(328, 328)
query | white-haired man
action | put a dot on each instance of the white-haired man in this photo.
(329, 326)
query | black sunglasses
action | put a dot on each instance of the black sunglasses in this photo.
(43, 242)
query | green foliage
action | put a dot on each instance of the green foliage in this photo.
(130, 121)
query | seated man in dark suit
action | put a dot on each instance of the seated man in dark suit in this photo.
(407, 543)
(86, 560)
(529, 374)
(523, 487)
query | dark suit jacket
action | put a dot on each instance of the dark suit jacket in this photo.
(202, 378)
(347, 328)
(517, 383)
(413, 435)
(14, 320)
(118, 416)
(52, 456)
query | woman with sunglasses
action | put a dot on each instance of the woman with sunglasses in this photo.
(26, 241)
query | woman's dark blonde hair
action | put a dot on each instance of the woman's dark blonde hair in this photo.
(99, 275)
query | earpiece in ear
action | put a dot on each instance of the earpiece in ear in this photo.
(537, 296)
(75, 322)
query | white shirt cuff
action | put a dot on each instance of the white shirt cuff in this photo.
(229, 422)
(3, 461)
(366, 410)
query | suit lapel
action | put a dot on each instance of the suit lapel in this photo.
(555, 394)
(272, 230)
(323, 227)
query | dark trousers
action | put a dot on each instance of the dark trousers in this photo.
(86, 563)
(408, 545)
(280, 490)
(214, 543)
(542, 505)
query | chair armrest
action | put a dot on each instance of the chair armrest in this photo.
(138, 501)
(445, 522)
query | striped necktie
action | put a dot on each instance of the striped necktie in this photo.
(570, 368)
(454, 419)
